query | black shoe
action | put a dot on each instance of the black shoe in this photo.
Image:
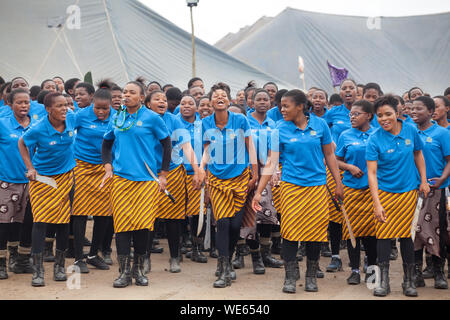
(335, 265)
(137, 271)
(311, 275)
(355, 278)
(428, 271)
(238, 262)
(419, 282)
(97, 262)
(174, 265)
(409, 289)
(268, 260)
(3, 269)
(213, 253)
(439, 276)
(155, 249)
(124, 278)
(13, 254)
(325, 250)
(290, 277)
(107, 258)
(86, 242)
(197, 254)
(37, 279)
(224, 278)
(59, 271)
(188, 254)
(319, 274)
(384, 288)
(147, 263)
(82, 265)
(23, 264)
(48, 252)
(232, 273)
(155, 241)
(258, 265)
(394, 253)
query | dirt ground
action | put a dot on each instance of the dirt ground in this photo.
(195, 283)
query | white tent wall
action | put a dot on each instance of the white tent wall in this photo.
(118, 39)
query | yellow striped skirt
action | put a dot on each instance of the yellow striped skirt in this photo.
(249, 218)
(193, 198)
(89, 199)
(334, 214)
(176, 185)
(304, 213)
(228, 196)
(134, 204)
(51, 205)
(399, 211)
(359, 208)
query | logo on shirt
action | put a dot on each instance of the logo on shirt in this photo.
(313, 133)
(12, 135)
(407, 142)
(293, 140)
(70, 133)
(340, 122)
(390, 150)
(52, 143)
(35, 116)
(429, 139)
(232, 136)
(356, 143)
(93, 126)
(139, 123)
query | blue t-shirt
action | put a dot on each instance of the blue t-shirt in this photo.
(352, 147)
(137, 145)
(275, 114)
(176, 110)
(54, 150)
(2, 102)
(396, 169)
(436, 146)
(12, 167)
(339, 120)
(303, 163)
(195, 135)
(261, 136)
(89, 137)
(227, 150)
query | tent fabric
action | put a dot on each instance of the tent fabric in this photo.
(396, 52)
(117, 39)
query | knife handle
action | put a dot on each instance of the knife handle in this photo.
(170, 196)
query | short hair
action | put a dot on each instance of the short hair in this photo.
(241, 108)
(367, 106)
(46, 80)
(220, 86)
(50, 98)
(247, 90)
(105, 84)
(347, 79)
(270, 82)
(174, 93)
(388, 100)
(192, 80)
(297, 96)
(89, 87)
(373, 85)
(140, 83)
(326, 94)
(103, 94)
(443, 98)
(58, 77)
(148, 98)
(15, 92)
(335, 97)
(34, 91)
(40, 97)
(12, 81)
(279, 95)
(190, 96)
(115, 87)
(69, 84)
(447, 91)
(428, 102)
(154, 82)
(400, 99)
(413, 88)
(167, 85)
(259, 91)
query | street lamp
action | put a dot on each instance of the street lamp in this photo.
(190, 4)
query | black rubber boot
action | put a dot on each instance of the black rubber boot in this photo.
(3, 270)
(224, 278)
(258, 265)
(23, 264)
(174, 265)
(48, 252)
(409, 288)
(138, 270)
(147, 263)
(37, 279)
(238, 262)
(384, 289)
(59, 271)
(290, 276)
(124, 279)
(213, 252)
(232, 271)
(13, 254)
(197, 254)
(311, 275)
(276, 245)
(300, 253)
(268, 260)
(325, 250)
(218, 269)
(439, 276)
(428, 271)
(354, 279)
(418, 279)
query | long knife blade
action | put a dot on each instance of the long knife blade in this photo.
(201, 213)
(347, 222)
(47, 180)
(416, 217)
(207, 242)
(157, 180)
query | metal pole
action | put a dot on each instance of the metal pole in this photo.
(193, 45)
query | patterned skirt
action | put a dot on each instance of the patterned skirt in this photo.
(192, 198)
(50, 205)
(334, 214)
(359, 208)
(304, 213)
(276, 194)
(13, 201)
(134, 204)
(399, 211)
(228, 196)
(176, 185)
(89, 199)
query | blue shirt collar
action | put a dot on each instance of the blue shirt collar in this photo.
(231, 115)
(52, 131)
(16, 124)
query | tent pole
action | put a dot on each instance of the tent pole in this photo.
(193, 45)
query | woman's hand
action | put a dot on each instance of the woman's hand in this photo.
(355, 171)
(162, 183)
(252, 183)
(31, 174)
(198, 179)
(255, 202)
(339, 192)
(108, 174)
(379, 213)
(437, 183)
(425, 188)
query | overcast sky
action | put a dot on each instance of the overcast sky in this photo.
(213, 19)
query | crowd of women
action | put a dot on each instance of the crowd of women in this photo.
(269, 172)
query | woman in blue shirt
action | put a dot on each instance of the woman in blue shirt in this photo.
(433, 216)
(395, 168)
(91, 124)
(305, 141)
(174, 213)
(14, 196)
(228, 144)
(440, 114)
(134, 132)
(350, 153)
(84, 93)
(53, 139)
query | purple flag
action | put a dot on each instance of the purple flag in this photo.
(337, 74)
